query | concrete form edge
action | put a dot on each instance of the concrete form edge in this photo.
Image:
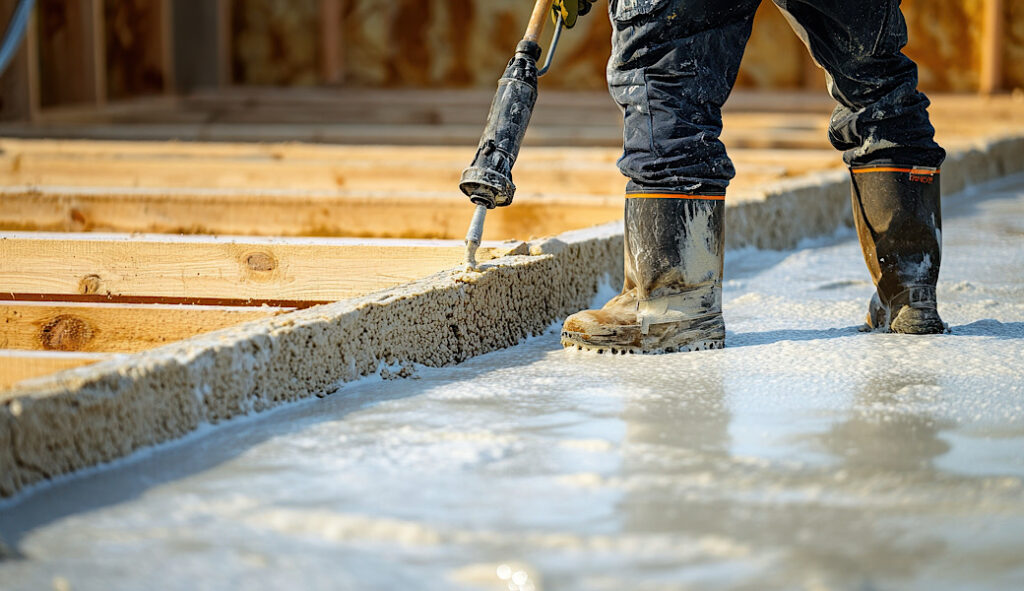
(83, 417)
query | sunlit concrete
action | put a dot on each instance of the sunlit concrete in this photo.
(805, 455)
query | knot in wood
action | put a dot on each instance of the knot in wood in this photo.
(89, 284)
(65, 333)
(261, 261)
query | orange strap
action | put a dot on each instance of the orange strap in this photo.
(673, 196)
(896, 169)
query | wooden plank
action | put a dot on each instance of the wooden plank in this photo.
(455, 157)
(397, 175)
(993, 39)
(17, 366)
(213, 270)
(331, 46)
(112, 328)
(401, 135)
(415, 215)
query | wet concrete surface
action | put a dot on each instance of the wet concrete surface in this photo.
(806, 455)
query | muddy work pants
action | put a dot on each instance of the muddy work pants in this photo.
(674, 62)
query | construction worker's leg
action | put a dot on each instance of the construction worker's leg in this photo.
(672, 67)
(882, 125)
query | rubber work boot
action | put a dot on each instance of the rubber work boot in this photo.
(898, 215)
(671, 299)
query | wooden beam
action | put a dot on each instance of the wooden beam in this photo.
(135, 45)
(293, 176)
(212, 270)
(454, 157)
(991, 76)
(331, 58)
(225, 43)
(99, 51)
(67, 52)
(32, 48)
(411, 215)
(19, 84)
(166, 29)
(112, 328)
(397, 174)
(195, 41)
(17, 366)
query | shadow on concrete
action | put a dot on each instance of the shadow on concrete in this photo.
(768, 337)
(990, 328)
(212, 445)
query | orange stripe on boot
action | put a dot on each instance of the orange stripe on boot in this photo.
(673, 196)
(918, 171)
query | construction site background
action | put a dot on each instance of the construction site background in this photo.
(91, 51)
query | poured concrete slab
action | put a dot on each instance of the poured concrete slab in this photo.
(87, 416)
(805, 455)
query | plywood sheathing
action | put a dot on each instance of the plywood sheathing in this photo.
(86, 416)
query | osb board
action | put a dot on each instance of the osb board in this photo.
(465, 43)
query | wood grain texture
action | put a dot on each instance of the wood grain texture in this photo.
(243, 271)
(67, 55)
(19, 84)
(422, 215)
(16, 366)
(112, 328)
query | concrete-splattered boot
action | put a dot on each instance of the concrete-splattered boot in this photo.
(672, 296)
(898, 215)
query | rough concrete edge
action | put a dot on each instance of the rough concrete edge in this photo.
(87, 416)
(816, 204)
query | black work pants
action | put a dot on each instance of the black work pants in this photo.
(674, 63)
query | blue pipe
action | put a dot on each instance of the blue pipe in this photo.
(15, 32)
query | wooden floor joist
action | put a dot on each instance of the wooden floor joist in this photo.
(113, 328)
(264, 152)
(16, 366)
(336, 213)
(306, 190)
(213, 271)
(398, 174)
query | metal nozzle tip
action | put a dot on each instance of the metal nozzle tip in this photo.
(471, 256)
(473, 236)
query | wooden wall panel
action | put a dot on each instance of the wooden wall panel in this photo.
(19, 85)
(945, 41)
(275, 42)
(67, 65)
(465, 43)
(196, 44)
(135, 47)
(1013, 45)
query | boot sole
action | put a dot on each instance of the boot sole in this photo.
(909, 320)
(699, 345)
